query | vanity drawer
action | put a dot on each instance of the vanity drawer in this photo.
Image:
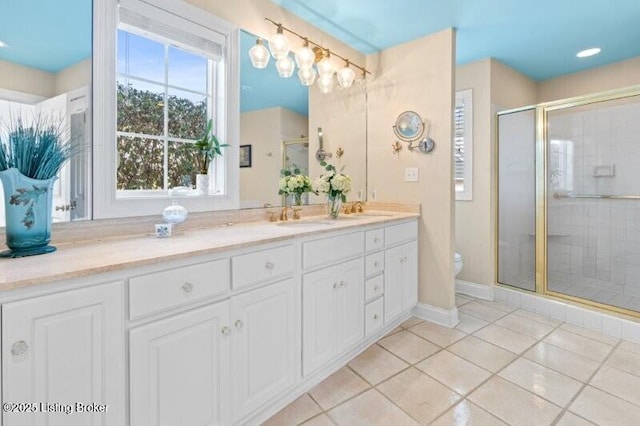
(373, 319)
(332, 249)
(252, 268)
(374, 264)
(396, 234)
(174, 287)
(373, 288)
(374, 239)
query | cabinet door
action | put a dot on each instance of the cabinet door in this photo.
(179, 369)
(393, 285)
(410, 274)
(263, 345)
(350, 304)
(65, 348)
(319, 319)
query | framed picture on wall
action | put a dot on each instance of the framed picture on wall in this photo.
(245, 155)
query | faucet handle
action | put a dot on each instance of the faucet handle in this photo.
(296, 212)
(272, 216)
(347, 208)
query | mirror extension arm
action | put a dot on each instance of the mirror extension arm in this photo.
(321, 155)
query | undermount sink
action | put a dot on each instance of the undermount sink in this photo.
(305, 223)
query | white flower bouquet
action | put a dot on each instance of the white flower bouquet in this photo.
(336, 185)
(294, 183)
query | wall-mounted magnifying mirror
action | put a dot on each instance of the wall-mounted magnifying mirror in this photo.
(410, 128)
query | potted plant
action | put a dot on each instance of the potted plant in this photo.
(207, 148)
(336, 185)
(30, 158)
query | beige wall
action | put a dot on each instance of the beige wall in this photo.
(418, 76)
(607, 77)
(73, 77)
(474, 240)
(28, 80)
(265, 130)
(495, 87)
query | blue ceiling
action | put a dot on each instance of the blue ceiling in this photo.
(538, 38)
(264, 88)
(46, 34)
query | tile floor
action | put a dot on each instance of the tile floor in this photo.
(498, 366)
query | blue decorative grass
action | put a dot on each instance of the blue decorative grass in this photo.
(38, 150)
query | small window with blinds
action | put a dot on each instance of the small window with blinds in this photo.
(463, 144)
(168, 86)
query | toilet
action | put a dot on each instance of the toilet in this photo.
(457, 260)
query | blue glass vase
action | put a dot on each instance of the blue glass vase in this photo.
(27, 205)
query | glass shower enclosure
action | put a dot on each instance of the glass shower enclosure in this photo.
(569, 200)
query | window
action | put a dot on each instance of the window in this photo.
(168, 67)
(462, 145)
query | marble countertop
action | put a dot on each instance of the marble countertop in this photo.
(73, 260)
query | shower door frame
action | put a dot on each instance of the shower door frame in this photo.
(541, 191)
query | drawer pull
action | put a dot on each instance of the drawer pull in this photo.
(225, 331)
(187, 287)
(375, 316)
(335, 285)
(239, 325)
(376, 288)
(376, 239)
(376, 263)
(269, 266)
(343, 283)
(19, 349)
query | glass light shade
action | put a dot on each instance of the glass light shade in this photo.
(346, 76)
(279, 46)
(285, 67)
(259, 55)
(307, 76)
(305, 58)
(325, 83)
(325, 67)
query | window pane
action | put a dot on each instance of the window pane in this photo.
(140, 57)
(140, 163)
(187, 114)
(140, 107)
(187, 70)
(182, 170)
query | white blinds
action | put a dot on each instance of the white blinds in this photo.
(156, 23)
(459, 139)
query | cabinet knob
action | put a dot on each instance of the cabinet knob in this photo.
(269, 266)
(376, 263)
(187, 287)
(335, 285)
(19, 349)
(343, 283)
(376, 287)
(225, 331)
(375, 240)
(239, 324)
(375, 316)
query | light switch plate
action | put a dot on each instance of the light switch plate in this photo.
(411, 174)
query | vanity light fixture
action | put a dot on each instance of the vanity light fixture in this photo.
(259, 55)
(588, 52)
(324, 72)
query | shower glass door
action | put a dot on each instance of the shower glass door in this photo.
(517, 199)
(593, 202)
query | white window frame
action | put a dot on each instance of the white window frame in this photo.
(107, 202)
(466, 193)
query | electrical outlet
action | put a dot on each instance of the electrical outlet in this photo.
(411, 174)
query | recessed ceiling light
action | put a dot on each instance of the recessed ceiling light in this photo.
(589, 52)
(3, 44)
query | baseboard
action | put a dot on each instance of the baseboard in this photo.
(479, 291)
(447, 318)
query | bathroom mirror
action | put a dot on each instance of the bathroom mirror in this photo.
(45, 65)
(278, 120)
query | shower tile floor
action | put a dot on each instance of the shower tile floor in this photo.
(498, 366)
(597, 293)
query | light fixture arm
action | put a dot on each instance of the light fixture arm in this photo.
(308, 41)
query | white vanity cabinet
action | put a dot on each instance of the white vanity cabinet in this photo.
(264, 343)
(333, 312)
(65, 348)
(179, 369)
(400, 279)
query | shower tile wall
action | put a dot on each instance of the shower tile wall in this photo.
(594, 244)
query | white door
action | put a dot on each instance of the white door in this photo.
(179, 369)
(263, 345)
(410, 275)
(53, 111)
(393, 285)
(319, 322)
(63, 349)
(350, 304)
